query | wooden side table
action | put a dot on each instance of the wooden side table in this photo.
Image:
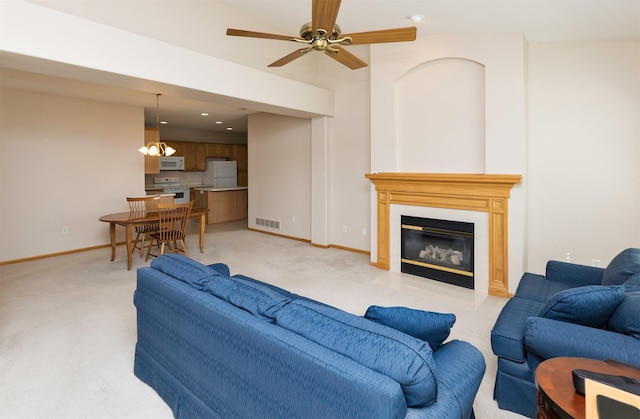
(556, 397)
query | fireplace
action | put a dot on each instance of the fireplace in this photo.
(475, 193)
(438, 249)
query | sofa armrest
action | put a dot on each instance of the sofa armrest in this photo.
(548, 338)
(221, 268)
(573, 274)
(460, 368)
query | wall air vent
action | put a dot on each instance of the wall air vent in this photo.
(268, 223)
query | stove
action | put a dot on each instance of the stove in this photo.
(171, 185)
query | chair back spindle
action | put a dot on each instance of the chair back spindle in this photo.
(172, 223)
(138, 207)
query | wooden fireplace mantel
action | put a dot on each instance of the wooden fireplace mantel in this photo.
(472, 192)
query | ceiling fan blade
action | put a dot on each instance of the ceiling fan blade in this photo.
(345, 57)
(288, 58)
(251, 34)
(385, 35)
(324, 14)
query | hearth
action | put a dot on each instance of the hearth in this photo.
(438, 249)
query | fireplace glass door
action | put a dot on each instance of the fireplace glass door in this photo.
(438, 249)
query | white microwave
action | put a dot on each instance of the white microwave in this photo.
(172, 163)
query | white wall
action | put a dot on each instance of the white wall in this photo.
(342, 148)
(440, 117)
(64, 162)
(279, 158)
(350, 151)
(584, 151)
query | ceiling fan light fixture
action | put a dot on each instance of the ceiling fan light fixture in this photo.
(320, 44)
(416, 18)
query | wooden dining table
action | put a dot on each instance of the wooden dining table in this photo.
(129, 220)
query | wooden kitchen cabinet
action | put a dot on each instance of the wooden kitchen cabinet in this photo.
(201, 199)
(219, 150)
(223, 205)
(213, 150)
(195, 157)
(194, 154)
(239, 154)
(177, 145)
(151, 163)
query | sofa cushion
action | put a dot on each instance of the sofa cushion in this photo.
(507, 335)
(590, 306)
(186, 270)
(538, 288)
(251, 296)
(290, 295)
(626, 318)
(431, 327)
(405, 359)
(622, 267)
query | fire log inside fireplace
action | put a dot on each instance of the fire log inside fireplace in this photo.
(438, 249)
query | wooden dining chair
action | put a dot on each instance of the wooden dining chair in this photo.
(142, 205)
(172, 222)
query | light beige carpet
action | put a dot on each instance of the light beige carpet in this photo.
(68, 330)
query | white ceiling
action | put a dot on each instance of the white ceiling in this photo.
(538, 20)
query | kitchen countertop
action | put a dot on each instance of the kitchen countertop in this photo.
(153, 186)
(211, 189)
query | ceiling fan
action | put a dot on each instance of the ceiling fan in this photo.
(324, 35)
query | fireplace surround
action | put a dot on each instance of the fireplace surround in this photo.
(473, 192)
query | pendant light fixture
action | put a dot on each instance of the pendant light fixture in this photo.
(157, 148)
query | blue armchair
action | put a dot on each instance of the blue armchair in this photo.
(573, 310)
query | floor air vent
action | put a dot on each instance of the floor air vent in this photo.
(268, 223)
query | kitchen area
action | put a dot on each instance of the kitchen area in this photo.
(211, 174)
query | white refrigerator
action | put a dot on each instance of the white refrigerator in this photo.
(221, 174)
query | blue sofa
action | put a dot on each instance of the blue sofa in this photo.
(214, 346)
(574, 310)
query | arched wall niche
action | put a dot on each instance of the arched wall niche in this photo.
(440, 117)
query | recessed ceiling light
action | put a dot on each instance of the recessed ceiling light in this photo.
(204, 114)
(218, 122)
(229, 129)
(164, 122)
(415, 18)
